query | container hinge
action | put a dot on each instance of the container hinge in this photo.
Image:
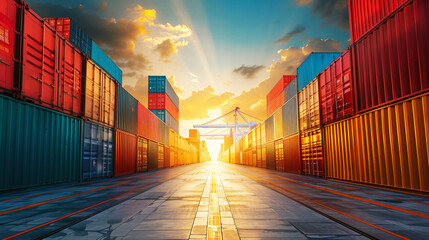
(5, 63)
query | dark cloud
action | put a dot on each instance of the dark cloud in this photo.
(115, 36)
(288, 36)
(332, 11)
(248, 71)
(166, 48)
(102, 7)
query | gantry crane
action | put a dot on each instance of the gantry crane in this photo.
(236, 128)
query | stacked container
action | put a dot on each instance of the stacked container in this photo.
(277, 96)
(312, 66)
(72, 32)
(163, 101)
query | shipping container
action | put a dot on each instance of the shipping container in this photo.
(279, 87)
(51, 67)
(313, 65)
(271, 156)
(160, 84)
(161, 156)
(38, 146)
(391, 62)
(97, 159)
(291, 90)
(142, 120)
(291, 150)
(165, 117)
(290, 117)
(309, 106)
(275, 103)
(194, 136)
(335, 90)
(126, 111)
(125, 152)
(10, 36)
(100, 95)
(167, 158)
(278, 123)
(102, 60)
(73, 33)
(365, 15)
(152, 161)
(269, 128)
(312, 153)
(279, 155)
(160, 101)
(153, 127)
(142, 154)
(386, 146)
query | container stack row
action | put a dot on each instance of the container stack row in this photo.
(163, 101)
(360, 116)
(64, 115)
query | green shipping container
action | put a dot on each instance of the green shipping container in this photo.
(37, 145)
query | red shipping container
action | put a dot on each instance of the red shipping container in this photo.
(62, 25)
(365, 15)
(291, 151)
(8, 15)
(126, 153)
(392, 62)
(335, 89)
(153, 131)
(161, 101)
(143, 121)
(275, 103)
(51, 67)
(280, 85)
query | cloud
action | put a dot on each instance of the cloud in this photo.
(115, 36)
(332, 11)
(102, 7)
(288, 36)
(142, 15)
(166, 48)
(303, 2)
(253, 101)
(248, 71)
(197, 105)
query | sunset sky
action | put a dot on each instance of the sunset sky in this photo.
(218, 53)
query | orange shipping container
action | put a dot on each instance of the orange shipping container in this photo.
(387, 146)
(100, 95)
(126, 153)
(309, 111)
(312, 153)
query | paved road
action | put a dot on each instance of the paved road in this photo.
(213, 201)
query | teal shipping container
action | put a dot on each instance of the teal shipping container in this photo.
(126, 111)
(102, 60)
(37, 146)
(97, 160)
(312, 66)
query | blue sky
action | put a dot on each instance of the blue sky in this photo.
(217, 53)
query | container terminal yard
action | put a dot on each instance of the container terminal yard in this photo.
(339, 147)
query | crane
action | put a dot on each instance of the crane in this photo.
(236, 128)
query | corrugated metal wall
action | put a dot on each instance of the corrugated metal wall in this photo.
(97, 159)
(126, 153)
(126, 111)
(38, 146)
(387, 146)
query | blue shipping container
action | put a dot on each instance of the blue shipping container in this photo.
(126, 111)
(166, 117)
(79, 39)
(102, 60)
(160, 84)
(37, 146)
(97, 160)
(312, 66)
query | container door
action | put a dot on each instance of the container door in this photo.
(8, 11)
(279, 155)
(39, 68)
(142, 154)
(71, 79)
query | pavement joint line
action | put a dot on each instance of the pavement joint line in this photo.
(227, 211)
(200, 212)
(214, 229)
